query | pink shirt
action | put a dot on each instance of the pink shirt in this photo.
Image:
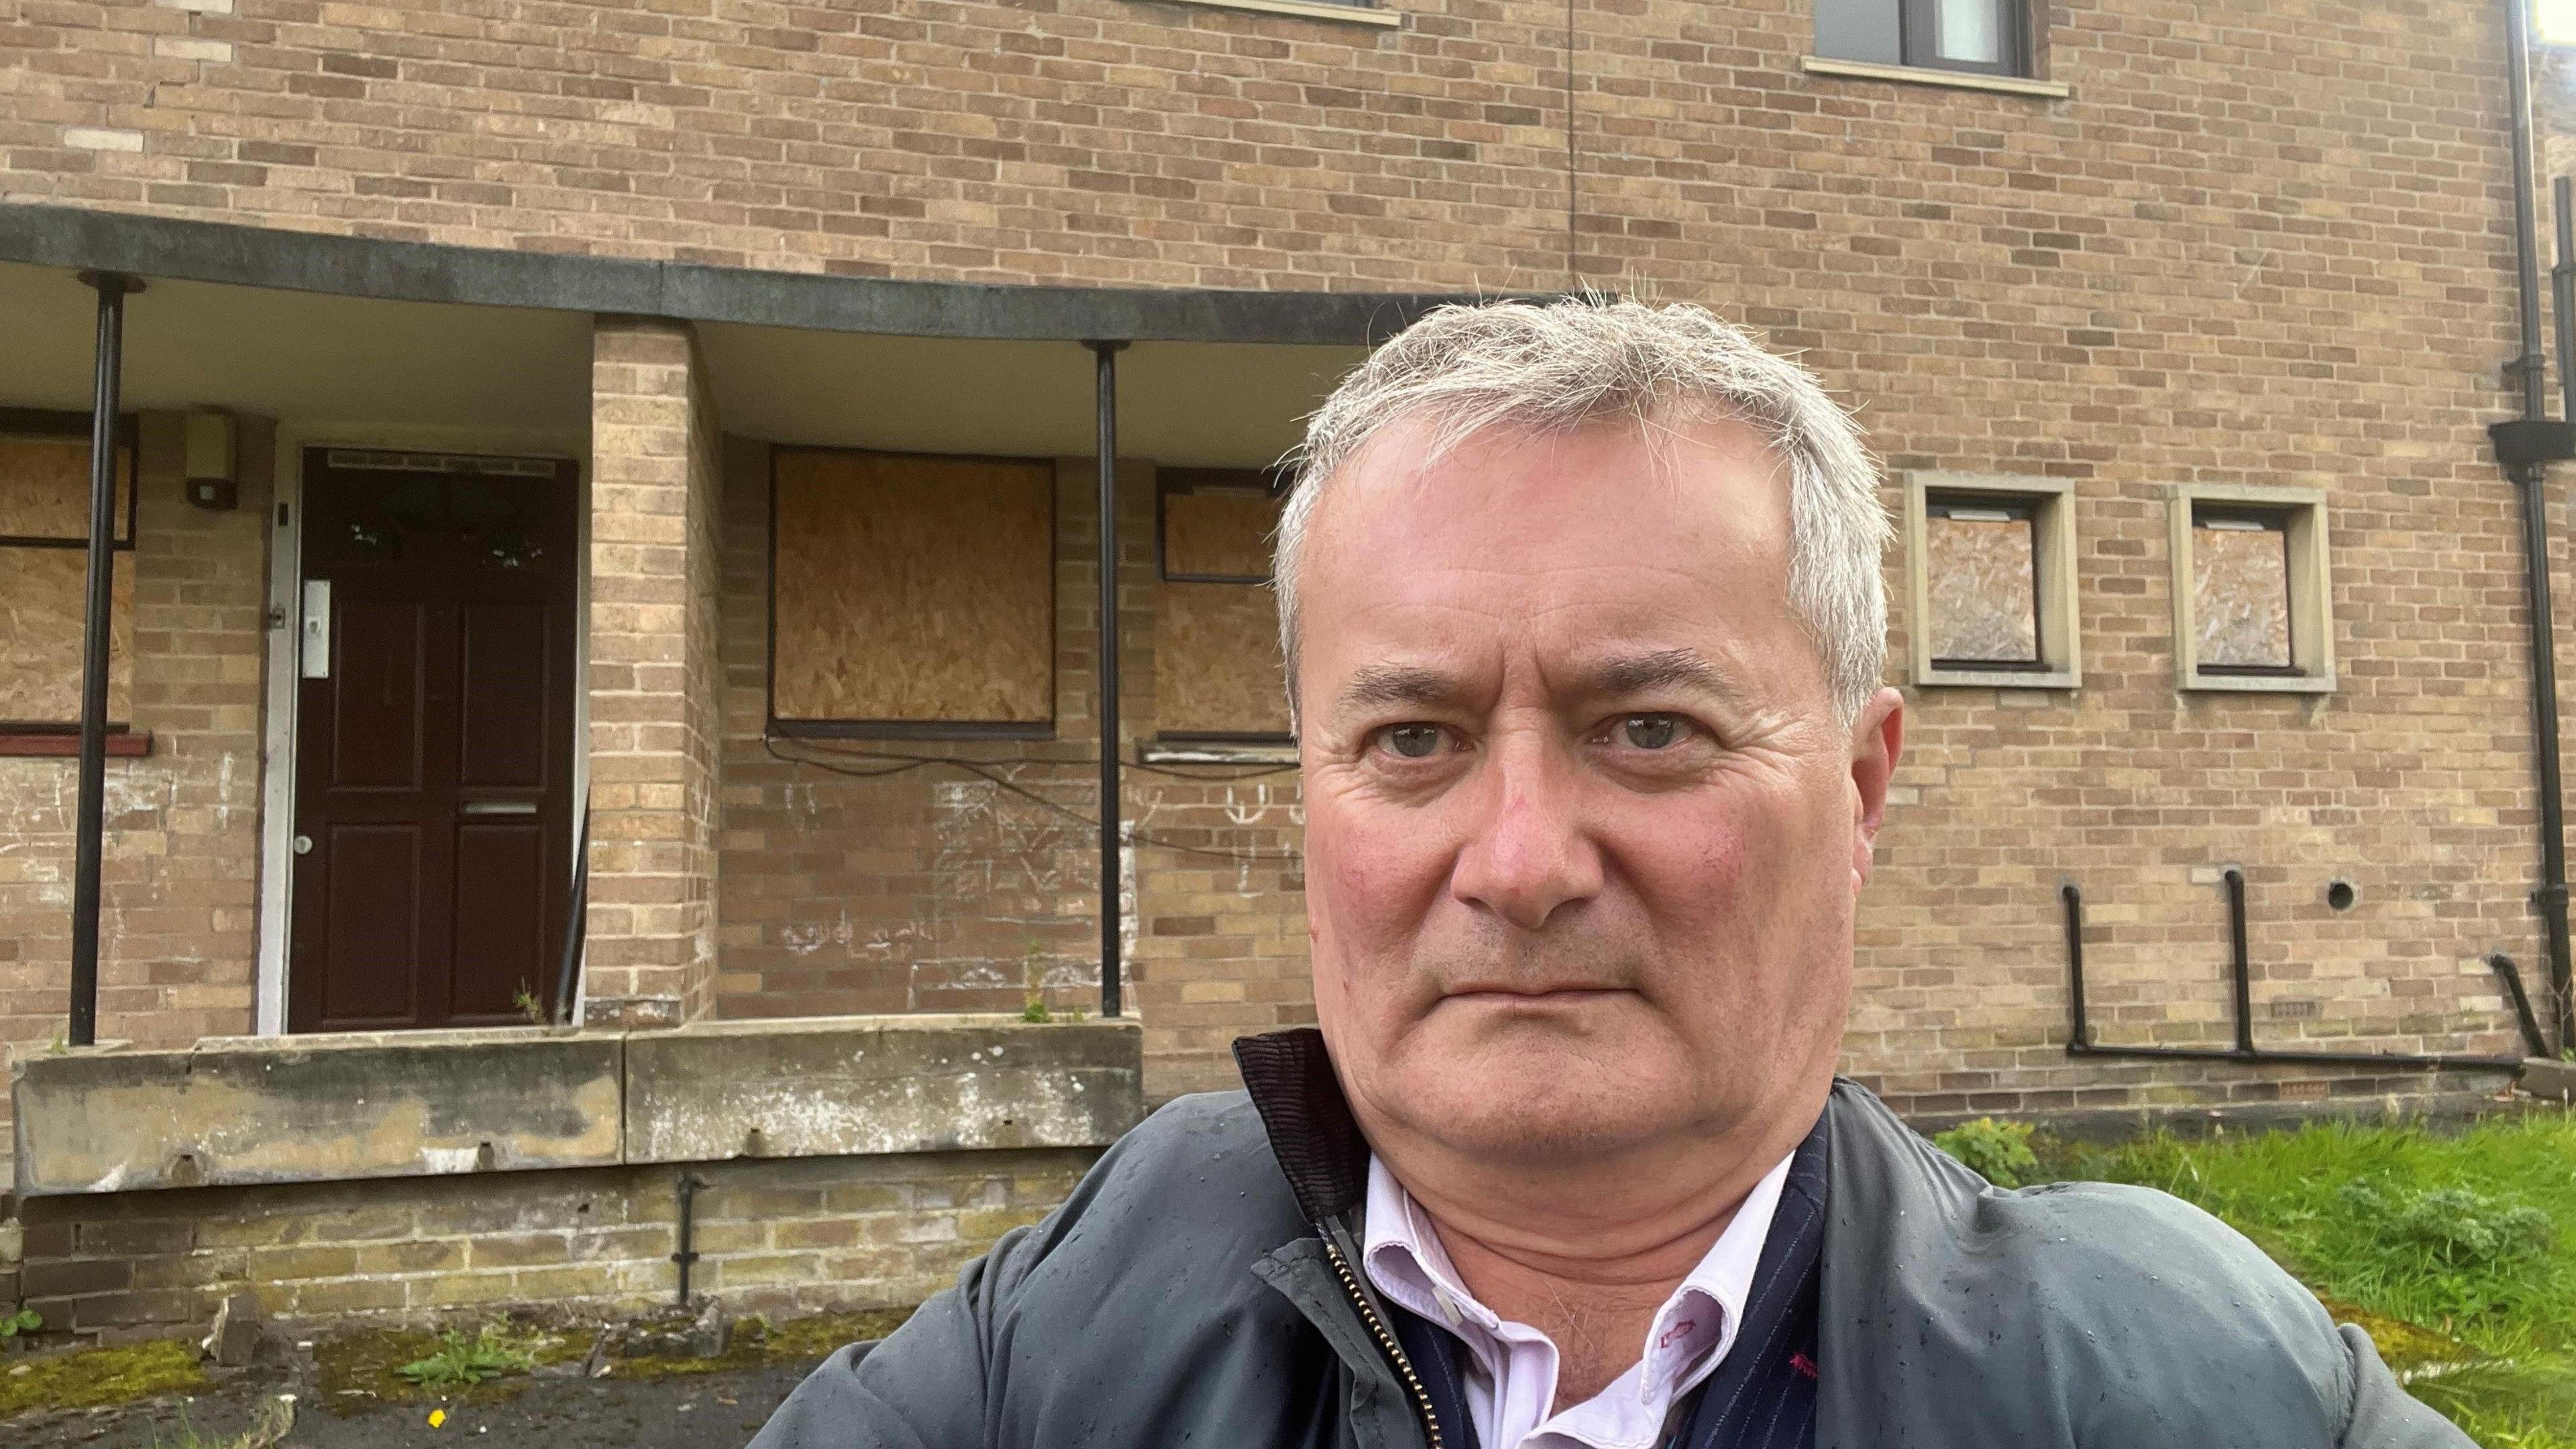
(1510, 1368)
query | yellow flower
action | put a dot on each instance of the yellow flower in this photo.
(437, 1417)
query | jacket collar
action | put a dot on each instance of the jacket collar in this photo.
(1309, 1121)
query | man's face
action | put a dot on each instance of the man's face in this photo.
(1583, 832)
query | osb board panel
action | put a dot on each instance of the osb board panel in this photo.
(1216, 660)
(1222, 532)
(41, 600)
(2241, 597)
(913, 587)
(1984, 588)
(44, 487)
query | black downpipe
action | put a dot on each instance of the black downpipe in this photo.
(90, 801)
(1106, 376)
(576, 923)
(2081, 1043)
(686, 1254)
(2526, 447)
(2502, 965)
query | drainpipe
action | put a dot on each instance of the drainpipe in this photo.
(1106, 381)
(2526, 447)
(90, 801)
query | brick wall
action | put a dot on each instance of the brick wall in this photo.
(778, 1237)
(180, 871)
(655, 481)
(2259, 245)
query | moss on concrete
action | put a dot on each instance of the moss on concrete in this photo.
(756, 1342)
(89, 1377)
(361, 1369)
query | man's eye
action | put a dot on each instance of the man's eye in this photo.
(1412, 741)
(1650, 731)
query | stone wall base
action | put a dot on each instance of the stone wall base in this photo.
(782, 1237)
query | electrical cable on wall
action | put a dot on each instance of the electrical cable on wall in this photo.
(896, 763)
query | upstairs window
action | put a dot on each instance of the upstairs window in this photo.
(1991, 578)
(2253, 603)
(1983, 37)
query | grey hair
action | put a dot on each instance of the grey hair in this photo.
(1560, 365)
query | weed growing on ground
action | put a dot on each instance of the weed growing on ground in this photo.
(1999, 1152)
(268, 1427)
(461, 1361)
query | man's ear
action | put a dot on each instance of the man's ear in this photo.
(1878, 740)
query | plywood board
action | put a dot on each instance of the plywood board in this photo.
(913, 587)
(1983, 580)
(1216, 660)
(1217, 532)
(2241, 595)
(44, 487)
(41, 604)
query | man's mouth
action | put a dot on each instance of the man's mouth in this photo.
(1509, 997)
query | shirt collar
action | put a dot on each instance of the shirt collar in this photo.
(1690, 1333)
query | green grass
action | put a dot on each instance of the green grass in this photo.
(2457, 1252)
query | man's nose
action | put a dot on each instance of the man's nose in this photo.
(1528, 854)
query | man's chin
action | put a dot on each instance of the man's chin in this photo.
(1521, 1088)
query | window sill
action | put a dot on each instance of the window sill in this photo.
(1306, 10)
(1219, 752)
(49, 744)
(1957, 80)
(1998, 679)
(2198, 683)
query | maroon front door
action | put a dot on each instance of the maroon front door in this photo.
(433, 745)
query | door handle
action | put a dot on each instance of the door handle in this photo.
(500, 807)
(304, 845)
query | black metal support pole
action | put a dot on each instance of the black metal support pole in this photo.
(1106, 356)
(2562, 293)
(90, 801)
(576, 921)
(2243, 966)
(2532, 365)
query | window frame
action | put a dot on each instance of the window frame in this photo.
(1917, 27)
(2301, 513)
(899, 729)
(75, 427)
(2056, 626)
(1918, 44)
(1225, 745)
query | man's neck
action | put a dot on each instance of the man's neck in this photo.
(1588, 1255)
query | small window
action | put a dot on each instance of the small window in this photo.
(1992, 590)
(1216, 621)
(911, 595)
(44, 570)
(2251, 606)
(1984, 37)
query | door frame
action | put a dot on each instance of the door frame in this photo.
(276, 909)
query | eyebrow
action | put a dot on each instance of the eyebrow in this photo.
(1383, 684)
(1662, 669)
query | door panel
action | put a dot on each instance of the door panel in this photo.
(501, 943)
(508, 693)
(433, 774)
(376, 726)
(371, 895)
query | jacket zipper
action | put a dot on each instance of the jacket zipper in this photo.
(1385, 1340)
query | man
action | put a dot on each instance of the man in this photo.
(1583, 620)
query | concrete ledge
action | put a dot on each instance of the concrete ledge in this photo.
(2550, 1080)
(838, 1086)
(240, 1111)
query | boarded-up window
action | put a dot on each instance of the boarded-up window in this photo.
(911, 590)
(1216, 635)
(2241, 591)
(44, 570)
(1982, 583)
